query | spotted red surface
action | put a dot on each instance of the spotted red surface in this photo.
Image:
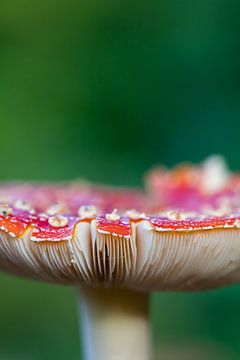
(120, 227)
(73, 196)
(44, 231)
(193, 223)
(13, 224)
(179, 190)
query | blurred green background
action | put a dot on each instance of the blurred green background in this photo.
(104, 90)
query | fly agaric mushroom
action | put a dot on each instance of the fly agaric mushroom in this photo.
(101, 241)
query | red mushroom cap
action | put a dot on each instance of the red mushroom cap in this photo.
(187, 238)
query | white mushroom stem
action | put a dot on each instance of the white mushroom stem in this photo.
(114, 324)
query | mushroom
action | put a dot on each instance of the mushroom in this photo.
(101, 241)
